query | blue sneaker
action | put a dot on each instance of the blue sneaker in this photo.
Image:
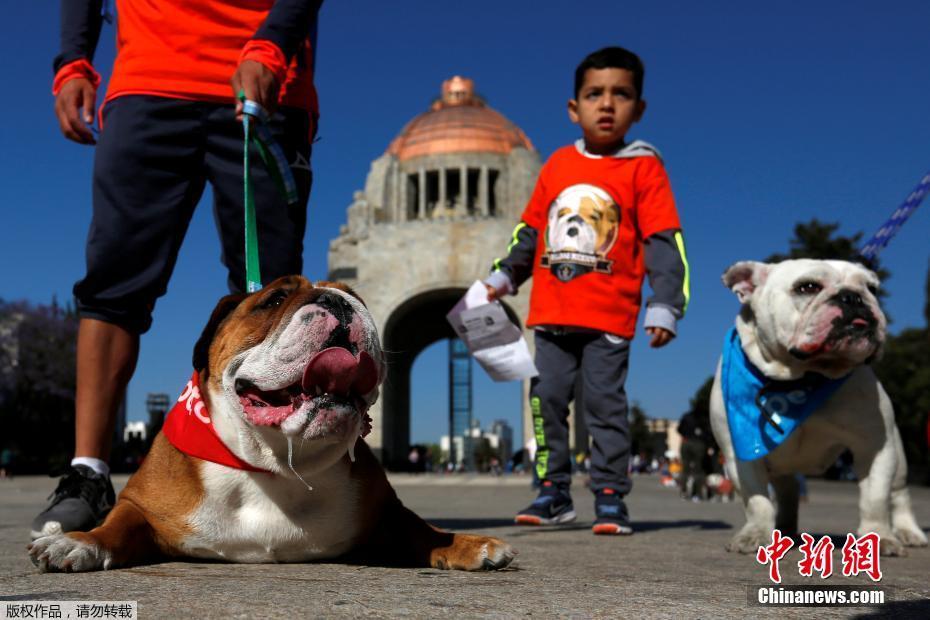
(613, 519)
(554, 505)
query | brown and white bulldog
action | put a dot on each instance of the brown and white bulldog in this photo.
(286, 376)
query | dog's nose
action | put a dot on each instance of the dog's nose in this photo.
(572, 232)
(851, 298)
(336, 305)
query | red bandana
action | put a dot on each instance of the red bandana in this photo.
(189, 429)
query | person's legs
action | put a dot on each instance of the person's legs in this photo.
(557, 359)
(280, 226)
(148, 177)
(685, 482)
(106, 359)
(692, 473)
(603, 373)
(700, 478)
(550, 392)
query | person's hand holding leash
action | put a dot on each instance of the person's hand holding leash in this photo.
(659, 337)
(74, 108)
(259, 85)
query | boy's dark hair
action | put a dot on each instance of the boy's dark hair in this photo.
(612, 58)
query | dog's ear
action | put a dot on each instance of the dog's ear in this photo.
(744, 277)
(222, 310)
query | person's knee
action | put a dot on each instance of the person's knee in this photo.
(134, 318)
(549, 397)
(607, 415)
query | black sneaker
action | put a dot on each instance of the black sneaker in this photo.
(612, 516)
(81, 501)
(554, 505)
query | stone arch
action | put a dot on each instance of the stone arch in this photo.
(411, 261)
(413, 325)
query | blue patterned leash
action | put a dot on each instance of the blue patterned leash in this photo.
(255, 127)
(890, 228)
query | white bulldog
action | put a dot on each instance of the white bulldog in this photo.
(803, 324)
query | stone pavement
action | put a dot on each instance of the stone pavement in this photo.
(675, 565)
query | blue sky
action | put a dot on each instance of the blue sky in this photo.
(766, 114)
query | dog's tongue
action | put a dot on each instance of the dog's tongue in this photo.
(337, 371)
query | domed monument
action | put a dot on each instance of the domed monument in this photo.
(438, 207)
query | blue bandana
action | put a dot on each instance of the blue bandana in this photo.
(762, 413)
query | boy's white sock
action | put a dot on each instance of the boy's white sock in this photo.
(96, 464)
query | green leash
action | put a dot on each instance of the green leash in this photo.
(280, 171)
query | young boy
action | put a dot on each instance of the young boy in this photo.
(602, 215)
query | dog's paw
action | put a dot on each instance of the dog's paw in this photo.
(496, 554)
(749, 539)
(910, 536)
(66, 553)
(892, 546)
(889, 543)
(475, 553)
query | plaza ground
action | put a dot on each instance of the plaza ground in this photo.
(675, 566)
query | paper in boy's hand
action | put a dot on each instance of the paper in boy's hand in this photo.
(496, 343)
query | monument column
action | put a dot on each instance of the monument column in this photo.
(421, 206)
(442, 190)
(463, 189)
(483, 202)
(401, 207)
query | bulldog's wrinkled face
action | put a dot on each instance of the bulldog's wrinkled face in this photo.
(301, 358)
(820, 314)
(583, 218)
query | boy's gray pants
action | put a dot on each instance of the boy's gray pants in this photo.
(602, 360)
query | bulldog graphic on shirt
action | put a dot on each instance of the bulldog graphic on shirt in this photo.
(581, 230)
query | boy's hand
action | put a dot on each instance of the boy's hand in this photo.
(258, 83)
(659, 337)
(74, 108)
(493, 293)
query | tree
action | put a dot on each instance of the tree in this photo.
(37, 357)
(815, 239)
(699, 407)
(904, 370)
(483, 453)
(700, 402)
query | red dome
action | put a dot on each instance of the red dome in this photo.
(458, 123)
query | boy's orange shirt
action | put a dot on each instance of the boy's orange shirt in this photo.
(600, 289)
(190, 50)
